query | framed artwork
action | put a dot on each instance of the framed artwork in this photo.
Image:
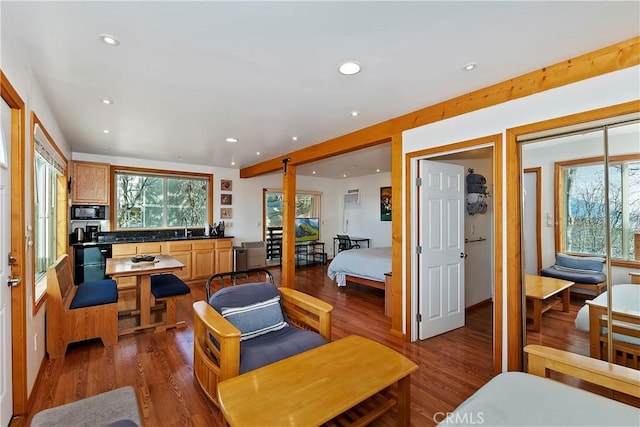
(226, 185)
(385, 203)
(225, 199)
(225, 213)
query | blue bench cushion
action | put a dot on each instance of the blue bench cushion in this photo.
(168, 285)
(255, 309)
(99, 292)
(592, 278)
(277, 345)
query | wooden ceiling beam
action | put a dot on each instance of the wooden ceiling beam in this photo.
(611, 58)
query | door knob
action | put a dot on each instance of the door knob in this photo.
(11, 282)
(463, 255)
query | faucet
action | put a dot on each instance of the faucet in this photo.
(184, 219)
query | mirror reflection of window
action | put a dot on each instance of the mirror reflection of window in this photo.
(588, 209)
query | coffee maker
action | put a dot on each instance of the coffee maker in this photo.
(218, 229)
(91, 234)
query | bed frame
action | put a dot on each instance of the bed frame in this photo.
(385, 286)
(544, 360)
(624, 353)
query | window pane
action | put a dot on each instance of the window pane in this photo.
(147, 201)
(44, 211)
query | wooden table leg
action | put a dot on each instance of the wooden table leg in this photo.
(144, 299)
(537, 314)
(566, 300)
(404, 401)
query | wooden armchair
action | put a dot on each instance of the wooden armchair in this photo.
(78, 313)
(217, 342)
(626, 329)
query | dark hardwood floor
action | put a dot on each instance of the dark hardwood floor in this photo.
(159, 365)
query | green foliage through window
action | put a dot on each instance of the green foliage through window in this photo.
(160, 201)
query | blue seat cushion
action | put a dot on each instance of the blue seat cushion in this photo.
(268, 348)
(168, 285)
(99, 292)
(591, 278)
(584, 264)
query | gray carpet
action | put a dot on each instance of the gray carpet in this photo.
(117, 407)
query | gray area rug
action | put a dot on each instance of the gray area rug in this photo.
(117, 407)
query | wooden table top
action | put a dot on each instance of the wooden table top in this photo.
(117, 267)
(312, 387)
(543, 287)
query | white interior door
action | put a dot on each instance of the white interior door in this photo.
(6, 389)
(441, 238)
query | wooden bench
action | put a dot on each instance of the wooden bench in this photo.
(78, 313)
(165, 288)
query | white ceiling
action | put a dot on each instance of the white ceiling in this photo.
(187, 75)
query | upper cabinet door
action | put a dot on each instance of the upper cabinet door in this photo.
(90, 183)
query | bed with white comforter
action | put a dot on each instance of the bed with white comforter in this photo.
(366, 263)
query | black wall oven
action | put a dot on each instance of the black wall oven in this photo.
(90, 262)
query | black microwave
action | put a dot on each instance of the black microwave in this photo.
(88, 212)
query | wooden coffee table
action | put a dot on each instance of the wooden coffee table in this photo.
(318, 385)
(542, 291)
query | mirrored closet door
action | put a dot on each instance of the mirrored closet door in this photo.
(580, 238)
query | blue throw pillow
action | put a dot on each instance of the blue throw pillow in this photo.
(578, 263)
(254, 308)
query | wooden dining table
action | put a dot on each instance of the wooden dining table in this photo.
(125, 267)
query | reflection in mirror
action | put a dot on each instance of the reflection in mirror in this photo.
(579, 225)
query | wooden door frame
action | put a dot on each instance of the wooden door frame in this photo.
(18, 294)
(494, 141)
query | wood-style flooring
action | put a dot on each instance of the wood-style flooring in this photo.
(159, 365)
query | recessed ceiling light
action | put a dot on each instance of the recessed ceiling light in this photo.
(314, 172)
(107, 101)
(257, 153)
(377, 170)
(105, 131)
(355, 113)
(110, 40)
(349, 68)
(233, 163)
(231, 140)
(344, 175)
(295, 138)
(469, 67)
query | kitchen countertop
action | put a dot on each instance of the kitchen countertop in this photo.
(149, 239)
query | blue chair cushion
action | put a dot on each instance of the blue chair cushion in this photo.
(579, 264)
(269, 348)
(591, 278)
(168, 285)
(98, 292)
(255, 309)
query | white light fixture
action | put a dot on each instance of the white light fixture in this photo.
(231, 140)
(314, 172)
(294, 138)
(344, 175)
(349, 68)
(107, 101)
(233, 163)
(257, 153)
(355, 113)
(106, 131)
(377, 170)
(470, 66)
(110, 40)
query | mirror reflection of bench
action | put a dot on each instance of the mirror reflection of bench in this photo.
(586, 272)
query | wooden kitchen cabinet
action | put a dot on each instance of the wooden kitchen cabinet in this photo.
(203, 259)
(224, 255)
(90, 183)
(182, 252)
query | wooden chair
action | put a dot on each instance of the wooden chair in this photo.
(217, 342)
(78, 313)
(624, 324)
(165, 288)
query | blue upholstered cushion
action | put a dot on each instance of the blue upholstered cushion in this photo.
(168, 285)
(591, 278)
(95, 293)
(578, 263)
(254, 308)
(274, 346)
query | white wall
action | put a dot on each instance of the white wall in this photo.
(602, 91)
(24, 82)
(363, 220)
